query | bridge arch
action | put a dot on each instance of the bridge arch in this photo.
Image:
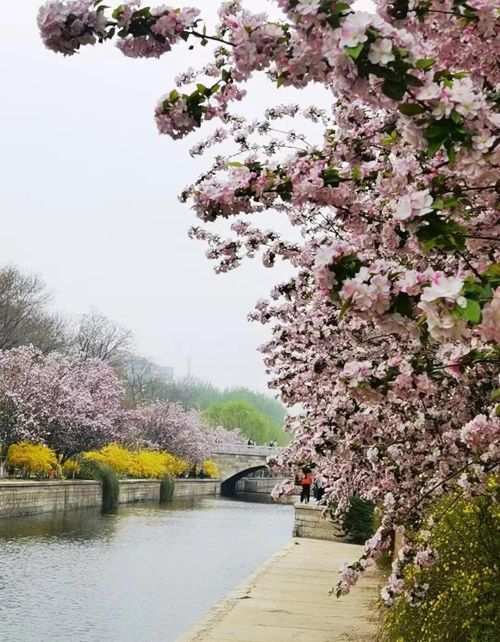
(228, 486)
(235, 462)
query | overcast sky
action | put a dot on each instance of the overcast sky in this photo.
(89, 202)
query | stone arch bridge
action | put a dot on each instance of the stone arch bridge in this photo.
(237, 462)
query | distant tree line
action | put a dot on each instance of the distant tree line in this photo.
(27, 318)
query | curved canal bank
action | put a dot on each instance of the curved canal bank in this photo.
(145, 574)
(287, 598)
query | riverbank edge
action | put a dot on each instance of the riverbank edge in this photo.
(240, 592)
(359, 605)
(22, 498)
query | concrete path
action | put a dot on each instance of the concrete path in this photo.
(287, 600)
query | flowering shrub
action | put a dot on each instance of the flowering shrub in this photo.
(463, 596)
(146, 464)
(388, 333)
(66, 402)
(71, 468)
(119, 459)
(174, 466)
(211, 469)
(149, 464)
(168, 427)
(27, 458)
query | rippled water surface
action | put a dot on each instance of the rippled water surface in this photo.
(146, 574)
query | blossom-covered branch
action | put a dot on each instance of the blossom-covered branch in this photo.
(388, 332)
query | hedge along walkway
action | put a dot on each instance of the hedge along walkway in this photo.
(287, 600)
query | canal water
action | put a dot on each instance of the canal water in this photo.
(145, 574)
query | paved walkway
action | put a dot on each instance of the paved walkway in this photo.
(287, 600)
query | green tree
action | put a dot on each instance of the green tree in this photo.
(271, 408)
(242, 415)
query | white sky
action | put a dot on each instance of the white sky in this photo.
(88, 195)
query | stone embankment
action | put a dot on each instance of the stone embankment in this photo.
(312, 522)
(21, 498)
(288, 600)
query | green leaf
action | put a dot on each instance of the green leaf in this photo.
(393, 89)
(355, 52)
(492, 274)
(402, 304)
(495, 395)
(339, 7)
(345, 306)
(411, 109)
(472, 312)
(401, 52)
(390, 138)
(434, 147)
(438, 204)
(347, 267)
(424, 63)
(284, 190)
(437, 232)
(413, 80)
(330, 177)
(235, 164)
(452, 154)
(439, 129)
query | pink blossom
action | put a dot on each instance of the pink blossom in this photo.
(480, 432)
(381, 51)
(489, 329)
(354, 28)
(65, 26)
(413, 204)
(443, 288)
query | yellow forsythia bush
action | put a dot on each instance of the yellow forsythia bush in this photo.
(462, 602)
(210, 468)
(30, 458)
(174, 466)
(119, 459)
(70, 468)
(149, 464)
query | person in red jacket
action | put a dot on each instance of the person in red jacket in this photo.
(305, 485)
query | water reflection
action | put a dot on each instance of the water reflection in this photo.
(144, 574)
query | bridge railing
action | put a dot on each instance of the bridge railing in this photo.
(259, 451)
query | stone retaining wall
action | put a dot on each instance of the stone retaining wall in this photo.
(196, 488)
(139, 490)
(21, 498)
(310, 523)
(263, 485)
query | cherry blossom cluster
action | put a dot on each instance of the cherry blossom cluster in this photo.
(67, 25)
(69, 403)
(388, 333)
(167, 426)
(74, 404)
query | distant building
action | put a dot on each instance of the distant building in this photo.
(166, 373)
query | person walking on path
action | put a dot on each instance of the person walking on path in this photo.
(305, 484)
(319, 488)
